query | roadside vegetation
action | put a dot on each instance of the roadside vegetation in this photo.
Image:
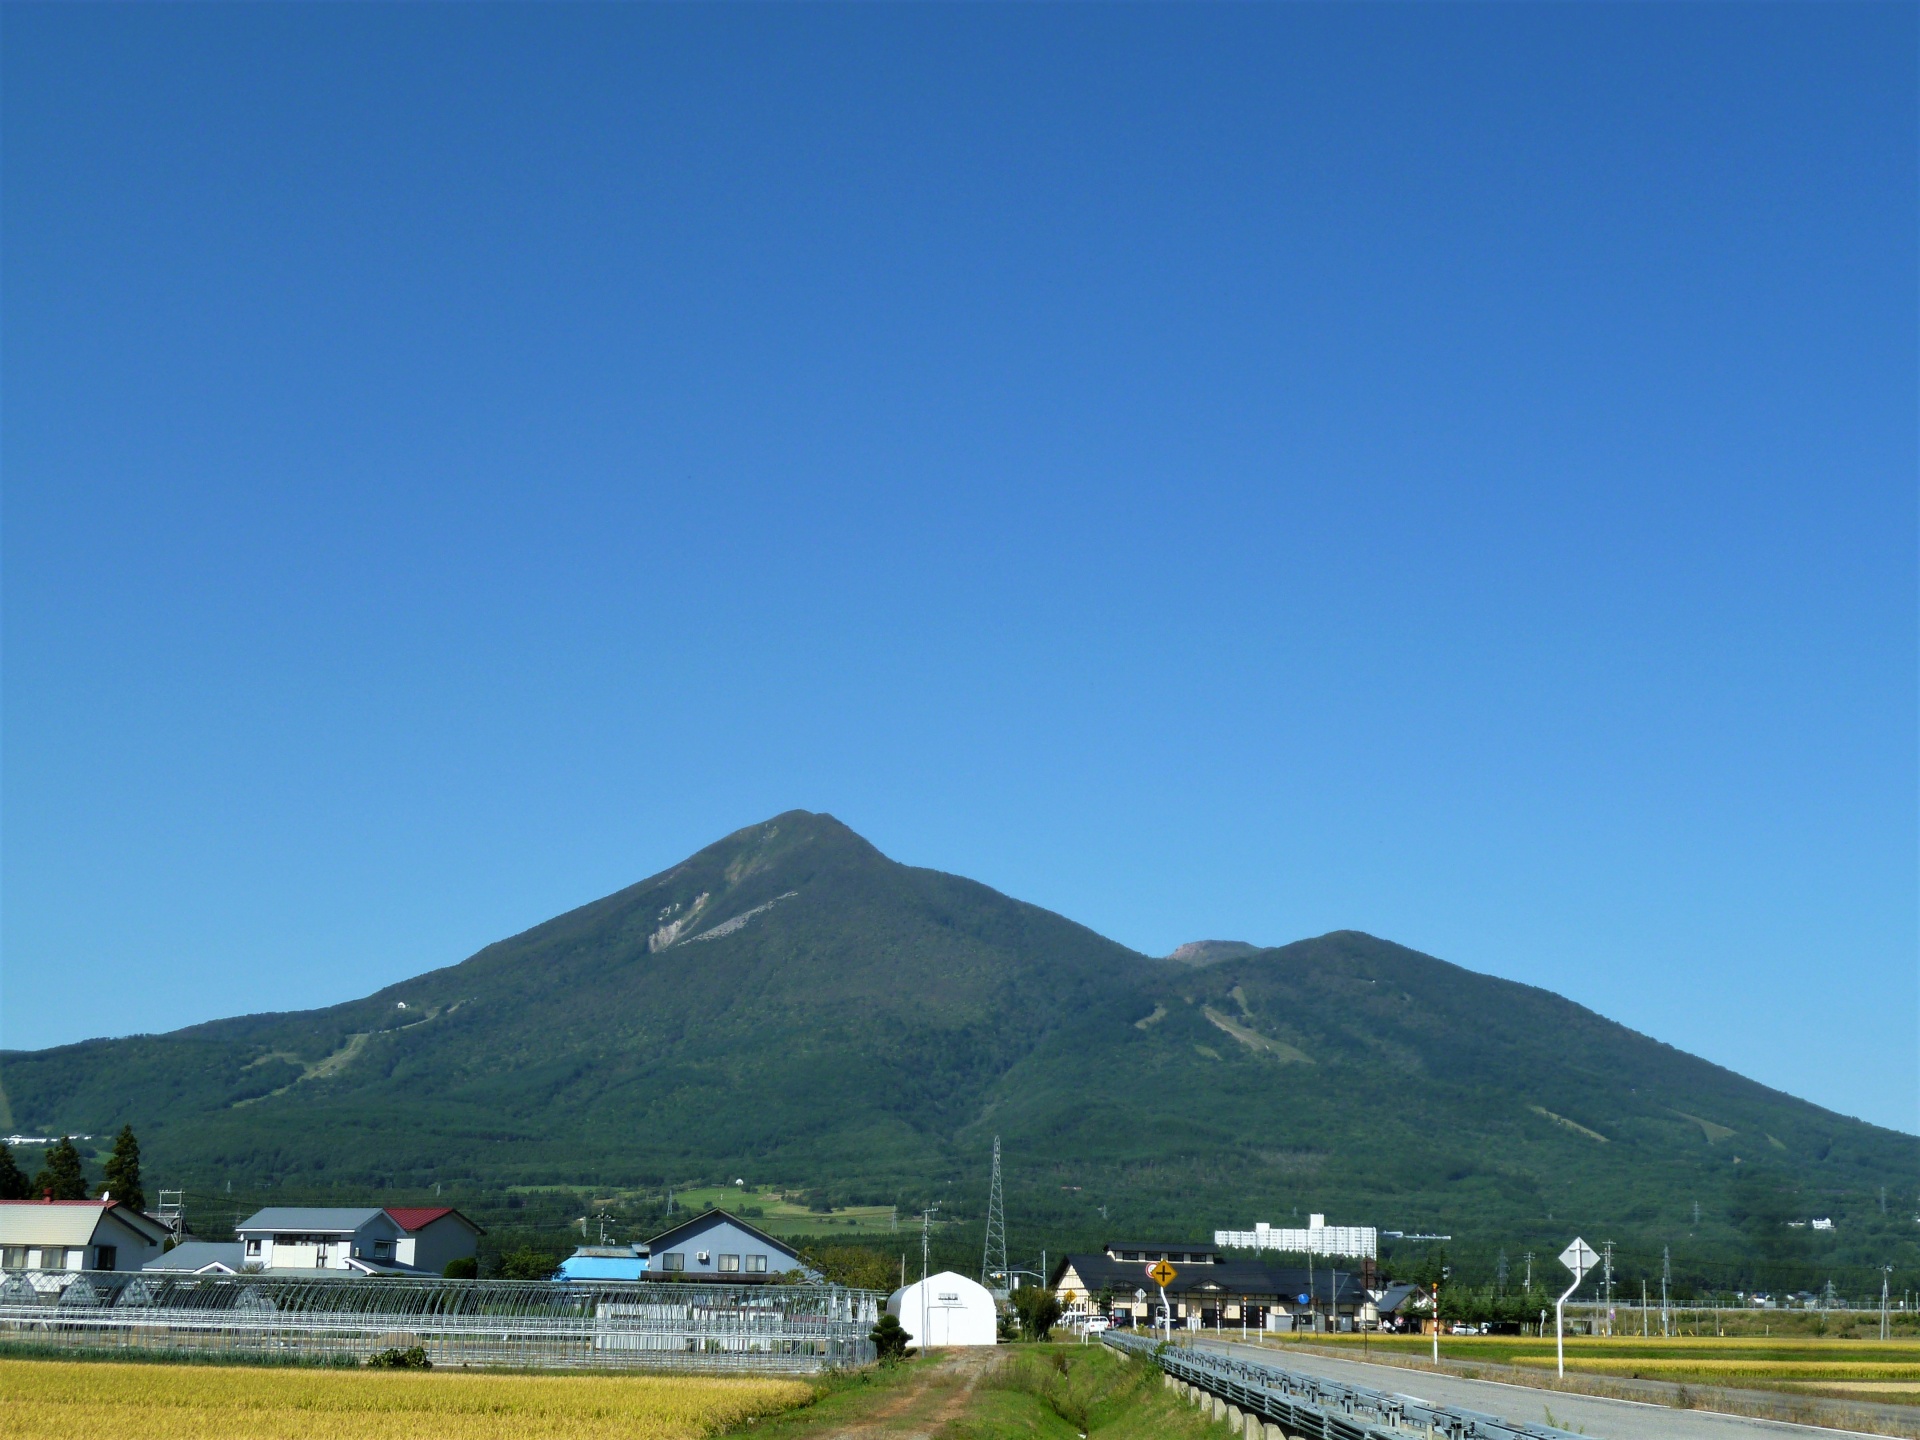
(1056, 1391)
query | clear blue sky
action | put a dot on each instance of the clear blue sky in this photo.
(1240, 472)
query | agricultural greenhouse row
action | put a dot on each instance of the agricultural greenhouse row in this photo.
(602, 1324)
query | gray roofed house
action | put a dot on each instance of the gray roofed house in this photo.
(76, 1235)
(352, 1240)
(201, 1257)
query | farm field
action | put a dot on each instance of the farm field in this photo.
(1885, 1372)
(778, 1214)
(188, 1402)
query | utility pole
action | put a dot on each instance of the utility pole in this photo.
(1528, 1257)
(1666, 1278)
(926, 1249)
(1643, 1309)
(1885, 1272)
(1606, 1273)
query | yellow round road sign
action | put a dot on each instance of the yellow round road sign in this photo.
(1162, 1274)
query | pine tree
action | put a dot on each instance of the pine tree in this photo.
(123, 1172)
(61, 1172)
(13, 1180)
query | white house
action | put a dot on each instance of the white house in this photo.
(343, 1240)
(76, 1235)
(947, 1309)
(433, 1236)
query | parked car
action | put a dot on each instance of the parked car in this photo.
(1097, 1323)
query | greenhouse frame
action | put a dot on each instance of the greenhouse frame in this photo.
(533, 1324)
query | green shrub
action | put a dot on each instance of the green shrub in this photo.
(890, 1339)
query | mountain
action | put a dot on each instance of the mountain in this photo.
(792, 1005)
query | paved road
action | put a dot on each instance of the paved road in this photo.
(1592, 1414)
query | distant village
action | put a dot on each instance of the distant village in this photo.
(61, 1246)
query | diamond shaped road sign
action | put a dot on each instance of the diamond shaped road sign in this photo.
(1579, 1258)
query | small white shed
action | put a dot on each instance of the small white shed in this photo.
(948, 1309)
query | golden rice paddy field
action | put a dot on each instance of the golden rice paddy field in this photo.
(187, 1402)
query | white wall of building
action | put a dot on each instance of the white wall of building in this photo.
(949, 1308)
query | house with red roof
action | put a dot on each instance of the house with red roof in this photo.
(433, 1236)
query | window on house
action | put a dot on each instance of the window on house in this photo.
(13, 1257)
(729, 1264)
(756, 1264)
(105, 1256)
(383, 1247)
(253, 1247)
(52, 1259)
(674, 1261)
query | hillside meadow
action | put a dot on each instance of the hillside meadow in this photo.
(189, 1402)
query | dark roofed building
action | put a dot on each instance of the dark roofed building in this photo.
(1175, 1252)
(717, 1246)
(1213, 1292)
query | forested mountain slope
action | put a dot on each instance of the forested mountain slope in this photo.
(792, 1005)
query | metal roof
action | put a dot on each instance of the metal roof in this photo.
(413, 1218)
(310, 1219)
(1226, 1278)
(711, 1217)
(68, 1222)
(192, 1256)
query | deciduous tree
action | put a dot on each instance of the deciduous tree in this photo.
(1038, 1310)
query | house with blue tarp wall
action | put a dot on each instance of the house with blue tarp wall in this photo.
(718, 1246)
(710, 1246)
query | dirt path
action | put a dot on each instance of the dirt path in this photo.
(934, 1394)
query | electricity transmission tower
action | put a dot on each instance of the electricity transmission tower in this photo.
(993, 1257)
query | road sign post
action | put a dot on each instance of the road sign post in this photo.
(1162, 1274)
(1579, 1258)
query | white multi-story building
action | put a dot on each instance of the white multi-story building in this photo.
(1319, 1238)
(347, 1241)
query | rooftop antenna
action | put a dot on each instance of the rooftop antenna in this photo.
(993, 1258)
